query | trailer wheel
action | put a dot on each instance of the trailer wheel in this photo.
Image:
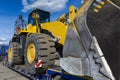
(39, 47)
(13, 54)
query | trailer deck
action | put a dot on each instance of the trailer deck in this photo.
(53, 73)
(8, 74)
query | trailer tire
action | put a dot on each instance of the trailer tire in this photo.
(39, 47)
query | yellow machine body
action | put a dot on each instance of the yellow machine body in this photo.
(56, 28)
(28, 29)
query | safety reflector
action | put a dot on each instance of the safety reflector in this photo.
(39, 64)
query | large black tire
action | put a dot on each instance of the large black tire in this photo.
(15, 58)
(22, 42)
(45, 51)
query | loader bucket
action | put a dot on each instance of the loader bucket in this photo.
(105, 26)
(93, 46)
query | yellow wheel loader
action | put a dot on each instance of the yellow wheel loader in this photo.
(86, 34)
(36, 41)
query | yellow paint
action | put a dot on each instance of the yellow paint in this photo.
(10, 53)
(102, 2)
(61, 18)
(29, 29)
(85, 6)
(54, 70)
(57, 28)
(72, 13)
(37, 26)
(98, 6)
(31, 53)
(96, 10)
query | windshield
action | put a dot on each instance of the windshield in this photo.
(43, 16)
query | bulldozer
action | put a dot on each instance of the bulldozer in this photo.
(82, 38)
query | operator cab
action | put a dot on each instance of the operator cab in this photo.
(38, 15)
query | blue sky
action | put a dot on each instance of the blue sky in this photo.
(10, 9)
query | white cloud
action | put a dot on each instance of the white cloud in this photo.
(48, 5)
(4, 41)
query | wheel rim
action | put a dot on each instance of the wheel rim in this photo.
(31, 53)
(10, 54)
